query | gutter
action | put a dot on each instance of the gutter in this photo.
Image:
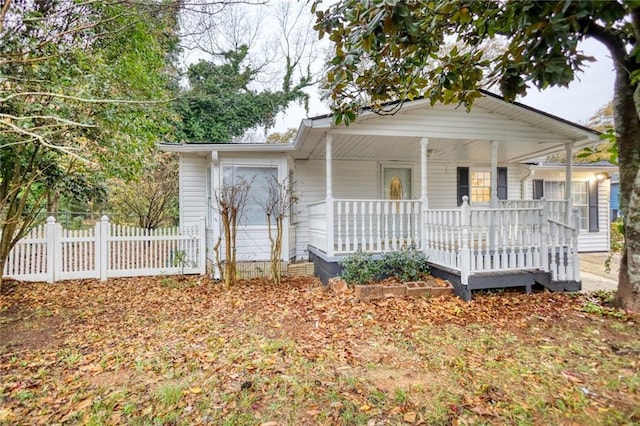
(226, 147)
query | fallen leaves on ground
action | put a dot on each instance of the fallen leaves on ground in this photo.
(165, 350)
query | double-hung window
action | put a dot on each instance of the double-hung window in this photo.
(555, 191)
(480, 187)
(476, 184)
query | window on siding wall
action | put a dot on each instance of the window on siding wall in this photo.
(538, 189)
(581, 201)
(555, 190)
(258, 177)
(477, 185)
(480, 186)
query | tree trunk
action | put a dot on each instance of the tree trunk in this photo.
(3, 260)
(232, 259)
(7, 241)
(227, 251)
(276, 252)
(627, 128)
(53, 200)
(216, 251)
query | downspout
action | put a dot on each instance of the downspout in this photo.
(525, 181)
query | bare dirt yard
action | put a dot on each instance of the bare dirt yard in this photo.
(169, 351)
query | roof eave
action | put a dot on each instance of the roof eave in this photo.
(225, 147)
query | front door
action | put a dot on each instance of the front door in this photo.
(396, 183)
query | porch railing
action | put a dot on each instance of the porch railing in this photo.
(475, 240)
(444, 237)
(376, 225)
(562, 250)
(556, 209)
(518, 235)
(318, 231)
(504, 239)
(492, 239)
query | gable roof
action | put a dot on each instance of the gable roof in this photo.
(488, 94)
(454, 134)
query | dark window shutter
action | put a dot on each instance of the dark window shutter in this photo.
(593, 207)
(502, 183)
(538, 189)
(463, 183)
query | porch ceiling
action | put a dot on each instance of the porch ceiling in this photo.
(360, 147)
(454, 135)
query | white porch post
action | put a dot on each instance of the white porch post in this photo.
(329, 197)
(568, 179)
(493, 202)
(215, 182)
(494, 174)
(544, 232)
(465, 250)
(424, 193)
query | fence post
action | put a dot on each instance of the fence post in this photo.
(51, 249)
(96, 250)
(202, 254)
(102, 247)
(465, 253)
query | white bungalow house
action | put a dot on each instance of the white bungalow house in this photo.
(465, 188)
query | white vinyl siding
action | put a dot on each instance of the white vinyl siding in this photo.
(598, 241)
(442, 182)
(448, 121)
(192, 192)
(358, 180)
(587, 241)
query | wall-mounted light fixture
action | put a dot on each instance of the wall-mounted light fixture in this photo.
(602, 176)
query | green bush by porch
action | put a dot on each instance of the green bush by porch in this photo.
(406, 264)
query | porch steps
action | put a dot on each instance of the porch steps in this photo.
(502, 280)
(544, 279)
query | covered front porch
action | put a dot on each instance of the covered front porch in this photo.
(485, 235)
(516, 236)
(459, 186)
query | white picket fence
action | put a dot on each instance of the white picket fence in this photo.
(51, 253)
